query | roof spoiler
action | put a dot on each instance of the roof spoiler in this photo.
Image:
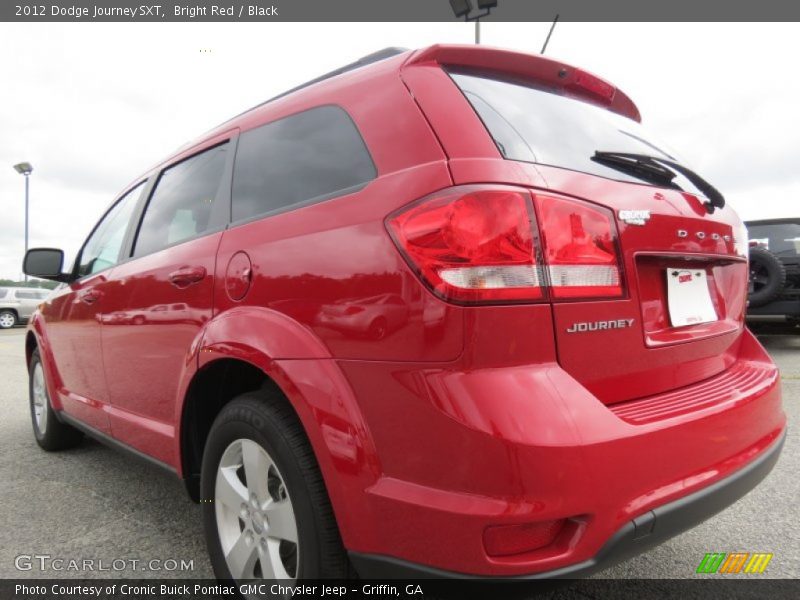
(575, 82)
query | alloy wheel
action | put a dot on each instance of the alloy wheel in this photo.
(39, 398)
(256, 522)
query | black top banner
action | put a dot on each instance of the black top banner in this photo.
(397, 10)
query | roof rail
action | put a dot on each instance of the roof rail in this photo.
(361, 62)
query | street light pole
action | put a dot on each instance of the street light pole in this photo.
(27, 203)
(463, 8)
(25, 168)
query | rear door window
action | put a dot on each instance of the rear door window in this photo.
(180, 206)
(307, 157)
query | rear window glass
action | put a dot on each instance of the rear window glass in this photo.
(782, 239)
(541, 126)
(306, 157)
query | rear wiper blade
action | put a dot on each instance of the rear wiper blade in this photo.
(647, 170)
(640, 163)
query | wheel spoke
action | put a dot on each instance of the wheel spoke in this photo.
(230, 491)
(242, 556)
(256, 469)
(282, 524)
(260, 537)
(267, 558)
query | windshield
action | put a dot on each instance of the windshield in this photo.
(540, 126)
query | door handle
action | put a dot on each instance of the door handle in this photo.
(91, 296)
(186, 276)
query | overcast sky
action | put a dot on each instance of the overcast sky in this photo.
(93, 105)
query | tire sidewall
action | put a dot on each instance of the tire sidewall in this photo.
(776, 273)
(41, 438)
(240, 421)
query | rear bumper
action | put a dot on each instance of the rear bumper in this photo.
(458, 450)
(636, 536)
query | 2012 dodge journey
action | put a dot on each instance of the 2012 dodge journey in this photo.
(443, 312)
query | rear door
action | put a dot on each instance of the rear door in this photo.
(617, 242)
(162, 296)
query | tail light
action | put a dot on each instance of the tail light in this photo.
(472, 244)
(477, 244)
(580, 249)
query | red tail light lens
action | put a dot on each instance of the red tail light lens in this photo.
(476, 244)
(580, 249)
(472, 244)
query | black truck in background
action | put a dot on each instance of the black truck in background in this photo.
(774, 293)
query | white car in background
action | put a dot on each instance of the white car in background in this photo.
(18, 304)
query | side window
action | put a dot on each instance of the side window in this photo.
(180, 206)
(3, 292)
(101, 250)
(308, 156)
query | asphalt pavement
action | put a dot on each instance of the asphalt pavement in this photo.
(94, 504)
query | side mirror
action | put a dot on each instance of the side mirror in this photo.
(45, 263)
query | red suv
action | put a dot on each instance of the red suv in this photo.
(441, 312)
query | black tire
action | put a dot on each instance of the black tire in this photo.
(266, 418)
(52, 435)
(767, 276)
(8, 320)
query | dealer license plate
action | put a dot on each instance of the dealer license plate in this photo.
(688, 297)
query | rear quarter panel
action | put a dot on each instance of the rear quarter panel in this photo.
(309, 262)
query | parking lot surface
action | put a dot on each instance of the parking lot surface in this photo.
(92, 503)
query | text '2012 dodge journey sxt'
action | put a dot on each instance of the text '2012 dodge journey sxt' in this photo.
(441, 312)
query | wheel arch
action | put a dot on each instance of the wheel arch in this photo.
(30, 345)
(251, 348)
(36, 337)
